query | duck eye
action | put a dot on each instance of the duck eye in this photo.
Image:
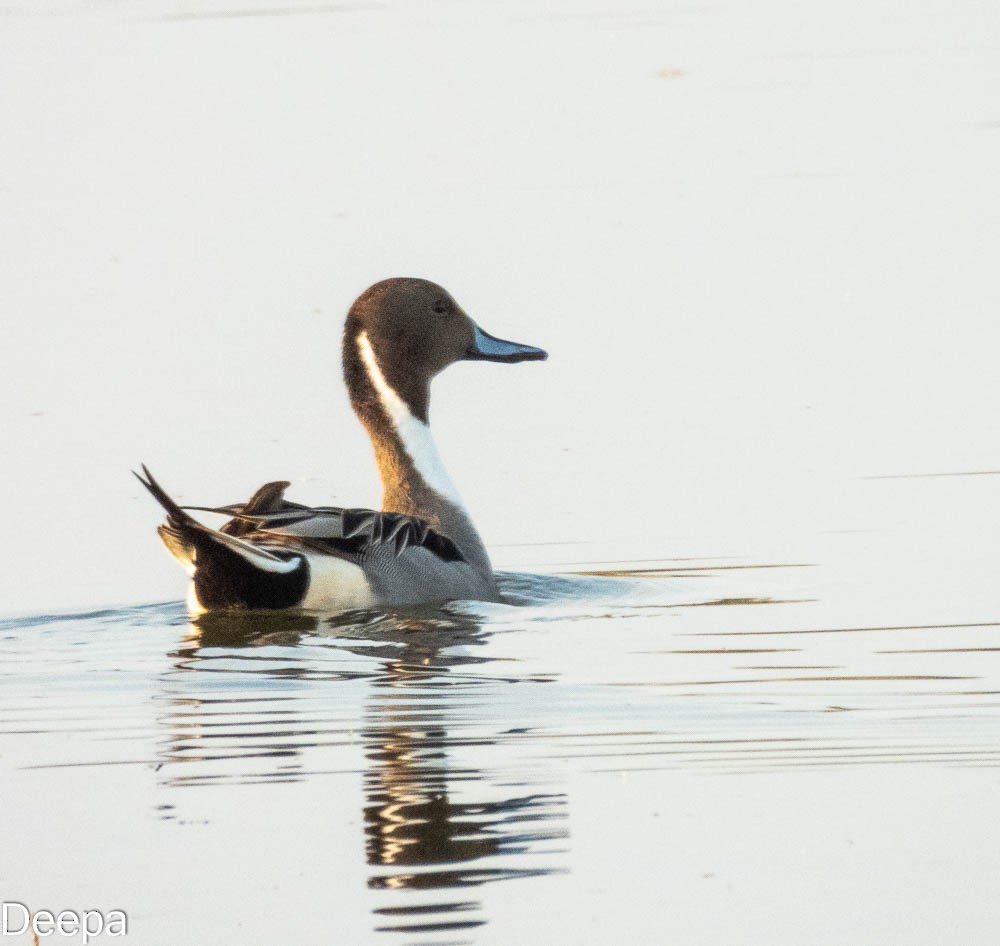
(441, 306)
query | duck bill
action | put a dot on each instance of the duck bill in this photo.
(486, 347)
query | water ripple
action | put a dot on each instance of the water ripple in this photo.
(464, 726)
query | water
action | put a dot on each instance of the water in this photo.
(624, 750)
(745, 685)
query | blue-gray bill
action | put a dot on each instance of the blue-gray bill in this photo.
(486, 347)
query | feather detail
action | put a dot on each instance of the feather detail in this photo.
(182, 532)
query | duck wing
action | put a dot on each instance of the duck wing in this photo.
(267, 515)
(356, 532)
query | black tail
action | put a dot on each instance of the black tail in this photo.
(180, 532)
(229, 571)
(176, 516)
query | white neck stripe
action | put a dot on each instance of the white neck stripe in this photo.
(414, 435)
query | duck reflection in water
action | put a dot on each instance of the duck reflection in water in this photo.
(412, 818)
(430, 822)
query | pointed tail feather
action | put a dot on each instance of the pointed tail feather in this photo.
(185, 537)
(178, 532)
(176, 516)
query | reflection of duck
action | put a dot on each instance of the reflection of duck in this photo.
(415, 828)
(249, 629)
(409, 819)
(245, 704)
(213, 729)
(411, 822)
(422, 546)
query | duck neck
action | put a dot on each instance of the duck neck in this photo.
(414, 479)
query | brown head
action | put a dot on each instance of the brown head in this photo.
(414, 329)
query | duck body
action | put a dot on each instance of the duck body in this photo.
(422, 546)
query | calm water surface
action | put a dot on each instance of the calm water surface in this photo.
(462, 775)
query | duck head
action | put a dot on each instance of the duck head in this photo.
(404, 331)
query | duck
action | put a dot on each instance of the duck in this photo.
(421, 547)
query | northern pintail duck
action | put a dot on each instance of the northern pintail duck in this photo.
(422, 546)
